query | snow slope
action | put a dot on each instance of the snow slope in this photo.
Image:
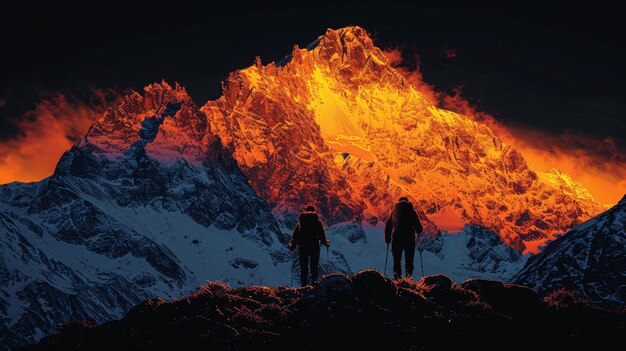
(475, 252)
(588, 259)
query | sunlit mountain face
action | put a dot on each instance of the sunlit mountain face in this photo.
(334, 124)
(337, 125)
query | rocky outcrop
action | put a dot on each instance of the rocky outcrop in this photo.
(363, 311)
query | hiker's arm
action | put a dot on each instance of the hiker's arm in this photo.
(295, 237)
(322, 234)
(418, 225)
(388, 229)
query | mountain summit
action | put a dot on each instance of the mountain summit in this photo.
(335, 124)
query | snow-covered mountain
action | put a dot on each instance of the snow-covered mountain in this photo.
(590, 260)
(336, 125)
(147, 204)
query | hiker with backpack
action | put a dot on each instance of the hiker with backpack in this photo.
(400, 230)
(307, 236)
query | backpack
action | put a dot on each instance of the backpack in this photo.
(403, 219)
(309, 226)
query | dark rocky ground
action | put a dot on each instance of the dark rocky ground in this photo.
(366, 311)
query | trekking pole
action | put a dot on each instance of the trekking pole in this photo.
(327, 259)
(421, 259)
(319, 271)
(386, 256)
(291, 271)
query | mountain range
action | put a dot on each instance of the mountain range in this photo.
(162, 195)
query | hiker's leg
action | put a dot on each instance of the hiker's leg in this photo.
(409, 255)
(315, 264)
(396, 251)
(304, 268)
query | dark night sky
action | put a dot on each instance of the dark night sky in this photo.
(554, 67)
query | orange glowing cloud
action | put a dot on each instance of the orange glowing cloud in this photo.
(46, 132)
(598, 164)
(458, 104)
(412, 74)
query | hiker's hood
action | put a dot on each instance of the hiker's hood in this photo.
(404, 204)
(307, 214)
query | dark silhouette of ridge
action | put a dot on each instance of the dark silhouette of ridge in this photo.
(365, 311)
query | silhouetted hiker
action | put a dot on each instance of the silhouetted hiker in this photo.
(307, 235)
(400, 232)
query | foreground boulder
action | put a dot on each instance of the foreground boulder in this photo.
(373, 284)
(365, 311)
(511, 297)
(437, 282)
